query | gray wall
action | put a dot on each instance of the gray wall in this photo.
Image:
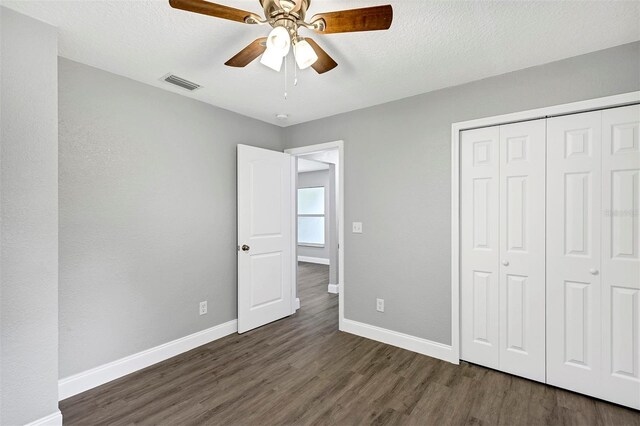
(29, 219)
(312, 180)
(398, 181)
(147, 214)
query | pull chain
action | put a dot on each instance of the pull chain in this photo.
(285, 77)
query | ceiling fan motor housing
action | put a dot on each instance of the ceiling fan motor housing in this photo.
(285, 13)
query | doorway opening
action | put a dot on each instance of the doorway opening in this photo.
(318, 236)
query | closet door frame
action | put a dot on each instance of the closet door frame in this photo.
(456, 128)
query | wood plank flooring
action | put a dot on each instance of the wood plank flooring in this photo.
(302, 371)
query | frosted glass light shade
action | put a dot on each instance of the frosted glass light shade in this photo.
(271, 59)
(304, 53)
(279, 41)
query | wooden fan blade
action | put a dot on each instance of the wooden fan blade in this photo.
(248, 54)
(213, 9)
(365, 19)
(325, 62)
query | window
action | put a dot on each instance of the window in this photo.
(311, 216)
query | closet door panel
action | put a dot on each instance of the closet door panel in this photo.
(522, 249)
(479, 246)
(573, 252)
(620, 273)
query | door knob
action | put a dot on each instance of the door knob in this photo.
(245, 247)
(505, 262)
(593, 271)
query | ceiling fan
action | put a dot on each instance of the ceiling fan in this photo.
(286, 17)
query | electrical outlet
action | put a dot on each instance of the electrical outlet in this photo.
(380, 305)
(357, 227)
(203, 307)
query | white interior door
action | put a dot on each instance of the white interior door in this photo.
(574, 189)
(620, 275)
(479, 296)
(522, 249)
(264, 237)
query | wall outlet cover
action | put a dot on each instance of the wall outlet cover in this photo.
(380, 305)
(203, 307)
(357, 227)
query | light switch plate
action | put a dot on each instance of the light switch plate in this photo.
(357, 227)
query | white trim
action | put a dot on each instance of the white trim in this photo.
(295, 301)
(455, 242)
(97, 376)
(53, 419)
(552, 111)
(333, 288)
(341, 161)
(311, 244)
(401, 340)
(309, 259)
(456, 128)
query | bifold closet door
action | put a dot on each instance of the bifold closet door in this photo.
(522, 249)
(479, 227)
(593, 254)
(502, 248)
(620, 278)
(573, 251)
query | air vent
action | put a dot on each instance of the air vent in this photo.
(180, 82)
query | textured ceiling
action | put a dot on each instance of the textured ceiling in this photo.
(431, 45)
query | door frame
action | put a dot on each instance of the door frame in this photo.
(623, 99)
(310, 149)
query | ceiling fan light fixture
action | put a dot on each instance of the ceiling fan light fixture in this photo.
(305, 55)
(279, 41)
(272, 59)
(287, 17)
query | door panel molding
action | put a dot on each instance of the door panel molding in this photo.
(621, 254)
(480, 282)
(522, 249)
(574, 331)
(264, 233)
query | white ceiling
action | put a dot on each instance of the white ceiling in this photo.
(431, 45)
(326, 156)
(310, 166)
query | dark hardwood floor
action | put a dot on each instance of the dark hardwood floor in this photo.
(301, 370)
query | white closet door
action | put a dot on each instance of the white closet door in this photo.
(522, 249)
(479, 246)
(574, 319)
(621, 255)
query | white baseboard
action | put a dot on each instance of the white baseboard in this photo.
(334, 288)
(308, 259)
(97, 376)
(53, 419)
(401, 340)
